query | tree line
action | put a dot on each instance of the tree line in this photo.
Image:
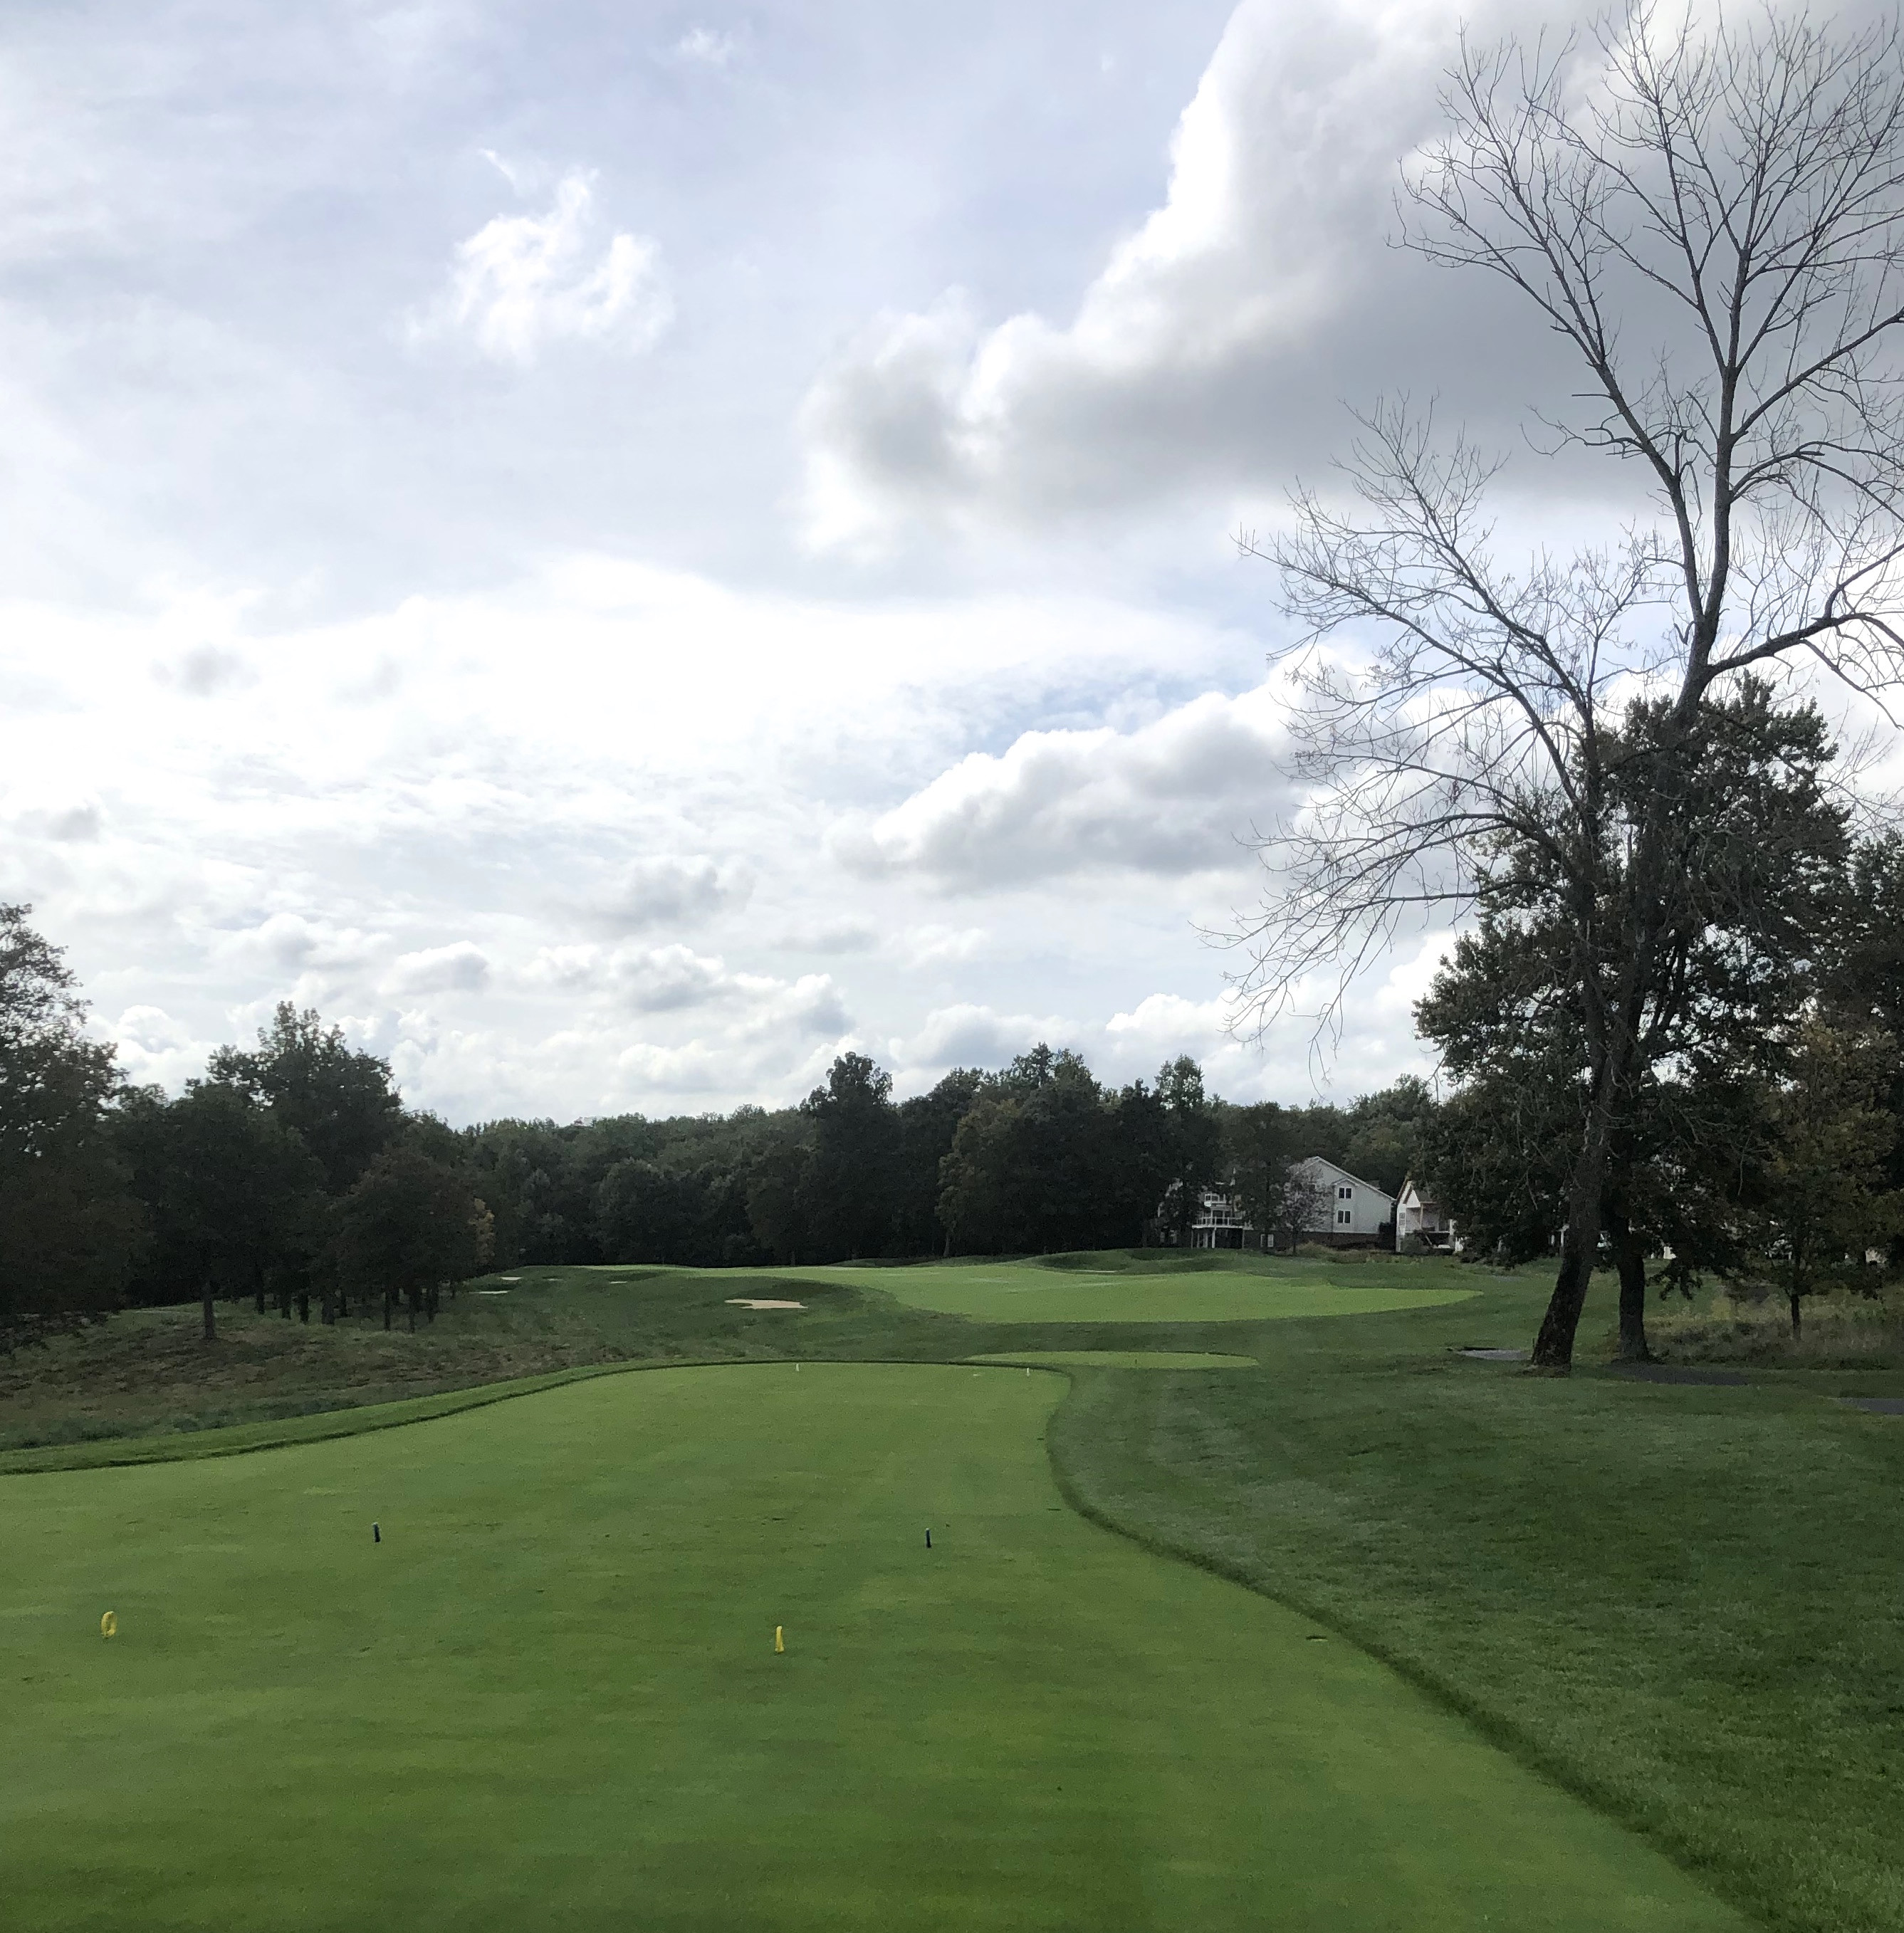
(293, 1175)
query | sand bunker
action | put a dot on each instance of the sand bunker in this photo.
(755, 1302)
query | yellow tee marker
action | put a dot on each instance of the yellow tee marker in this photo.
(780, 1641)
(109, 1624)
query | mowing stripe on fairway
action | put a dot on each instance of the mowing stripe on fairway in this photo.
(1116, 1359)
(550, 1696)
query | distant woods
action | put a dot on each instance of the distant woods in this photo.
(294, 1176)
(1763, 1151)
(1036, 1157)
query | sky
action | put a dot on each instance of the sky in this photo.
(621, 552)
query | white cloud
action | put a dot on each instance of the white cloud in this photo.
(293, 942)
(934, 945)
(292, 841)
(672, 892)
(79, 824)
(832, 935)
(463, 967)
(653, 979)
(154, 1048)
(1231, 316)
(971, 1035)
(707, 47)
(1164, 1022)
(666, 979)
(205, 671)
(522, 281)
(1170, 798)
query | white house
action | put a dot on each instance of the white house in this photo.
(1220, 1223)
(1418, 1215)
(1345, 1208)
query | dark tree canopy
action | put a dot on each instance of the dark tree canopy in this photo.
(341, 1102)
(70, 1229)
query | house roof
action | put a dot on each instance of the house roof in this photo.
(1322, 1161)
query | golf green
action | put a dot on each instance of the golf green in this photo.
(549, 1697)
(1027, 1292)
(1117, 1359)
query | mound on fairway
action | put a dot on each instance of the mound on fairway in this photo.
(1029, 1292)
(549, 1696)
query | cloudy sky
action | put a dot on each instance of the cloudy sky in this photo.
(619, 551)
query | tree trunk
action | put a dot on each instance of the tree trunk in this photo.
(1553, 1347)
(430, 1300)
(410, 1299)
(211, 1316)
(304, 1305)
(1629, 1253)
(1796, 1302)
(327, 1308)
(386, 1311)
(257, 1290)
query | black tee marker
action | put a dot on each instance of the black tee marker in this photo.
(376, 1534)
(928, 1540)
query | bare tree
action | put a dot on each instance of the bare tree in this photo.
(1713, 223)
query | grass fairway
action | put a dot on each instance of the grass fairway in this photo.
(549, 1698)
(1267, 1291)
(1117, 1359)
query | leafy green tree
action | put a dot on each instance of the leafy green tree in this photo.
(1862, 982)
(1262, 1144)
(852, 1176)
(1036, 1164)
(69, 1227)
(1756, 884)
(1383, 1141)
(342, 1103)
(1821, 1198)
(408, 1226)
(1193, 1142)
(230, 1193)
(1142, 1157)
(777, 1195)
(927, 1125)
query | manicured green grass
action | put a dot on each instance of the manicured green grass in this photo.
(1118, 1359)
(146, 1375)
(1270, 1292)
(549, 1697)
(1680, 1602)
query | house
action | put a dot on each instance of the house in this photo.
(1220, 1223)
(1340, 1209)
(1343, 1211)
(1420, 1217)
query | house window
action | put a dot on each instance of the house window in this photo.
(1343, 1214)
(1345, 1194)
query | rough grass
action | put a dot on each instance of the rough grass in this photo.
(1836, 1331)
(1680, 1602)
